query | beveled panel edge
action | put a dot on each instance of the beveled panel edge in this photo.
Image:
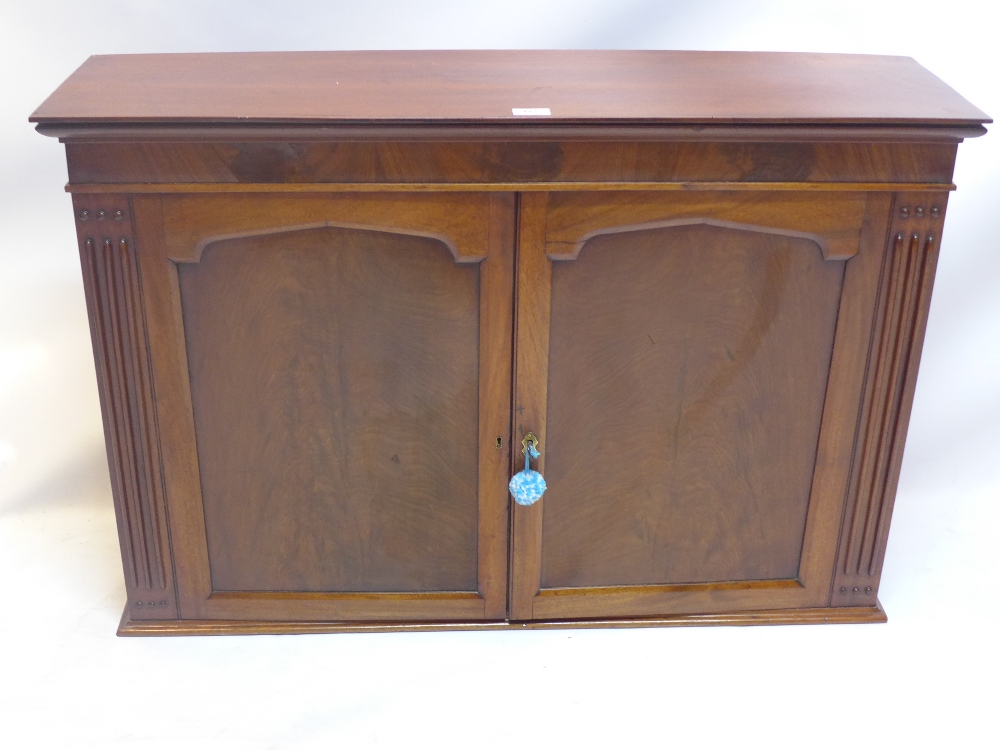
(825, 223)
(653, 588)
(523, 187)
(87, 132)
(817, 238)
(445, 218)
(203, 243)
(804, 616)
(358, 596)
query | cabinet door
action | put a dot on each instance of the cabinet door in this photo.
(332, 390)
(692, 365)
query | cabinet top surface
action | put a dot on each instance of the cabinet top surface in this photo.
(485, 87)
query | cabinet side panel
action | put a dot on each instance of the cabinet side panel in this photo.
(118, 327)
(901, 315)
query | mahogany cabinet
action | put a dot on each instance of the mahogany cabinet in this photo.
(331, 293)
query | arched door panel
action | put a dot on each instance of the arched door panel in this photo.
(682, 373)
(330, 431)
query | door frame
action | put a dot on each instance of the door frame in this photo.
(478, 228)
(849, 227)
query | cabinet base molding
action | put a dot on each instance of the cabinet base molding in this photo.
(812, 616)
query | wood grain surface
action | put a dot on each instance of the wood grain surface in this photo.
(114, 304)
(619, 527)
(277, 163)
(531, 380)
(335, 378)
(427, 86)
(832, 223)
(343, 388)
(904, 301)
(460, 222)
(686, 378)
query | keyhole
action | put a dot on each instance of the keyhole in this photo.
(499, 443)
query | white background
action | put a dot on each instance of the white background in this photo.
(926, 679)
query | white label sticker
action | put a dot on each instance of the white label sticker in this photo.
(532, 111)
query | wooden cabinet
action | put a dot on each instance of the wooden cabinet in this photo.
(331, 293)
